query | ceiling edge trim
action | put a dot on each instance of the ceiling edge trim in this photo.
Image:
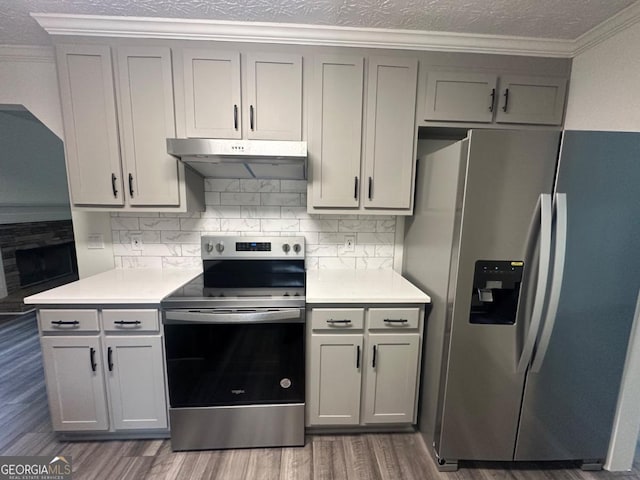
(300, 34)
(26, 53)
(607, 29)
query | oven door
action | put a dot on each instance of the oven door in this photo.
(227, 357)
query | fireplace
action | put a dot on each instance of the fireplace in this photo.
(36, 256)
(41, 264)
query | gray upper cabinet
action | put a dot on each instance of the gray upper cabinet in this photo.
(212, 102)
(117, 116)
(336, 137)
(212, 93)
(460, 97)
(530, 99)
(274, 96)
(147, 120)
(487, 98)
(90, 124)
(390, 132)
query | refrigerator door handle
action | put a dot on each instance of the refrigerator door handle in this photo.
(556, 281)
(544, 206)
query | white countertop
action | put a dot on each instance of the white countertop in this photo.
(361, 286)
(116, 286)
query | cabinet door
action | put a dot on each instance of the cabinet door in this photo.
(391, 378)
(531, 100)
(274, 97)
(147, 120)
(390, 129)
(75, 383)
(212, 93)
(90, 126)
(135, 376)
(336, 135)
(462, 97)
(334, 380)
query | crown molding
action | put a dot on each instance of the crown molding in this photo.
(299, 34)
(601, 32)
(26, 53)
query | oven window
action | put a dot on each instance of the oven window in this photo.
(227, 364)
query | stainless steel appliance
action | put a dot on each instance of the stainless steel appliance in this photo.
(234, 343)
(532, 265)
(219, 158)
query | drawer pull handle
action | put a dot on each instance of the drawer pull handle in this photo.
(396, 320)
(373, 362)
(62, 322)
(357, 357)
(331, 321)
(127, 322)
(92, 359)
(110, 358)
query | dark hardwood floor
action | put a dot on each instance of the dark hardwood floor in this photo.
(25, 430)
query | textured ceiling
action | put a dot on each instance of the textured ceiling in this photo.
(561, 19)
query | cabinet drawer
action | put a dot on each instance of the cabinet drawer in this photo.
(337, 319)
(130, 320)
(394, 318)
(59, 320)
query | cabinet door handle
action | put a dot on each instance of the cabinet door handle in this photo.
(251, 117)
(493, 99)
(346, 321)
(235, 117)
(127, 322)
(113, 185)
(396, 320)
(131, 185)
(355, 188)
(110, 358)
(373, 361)
(370, 188)
(92, 359)
(358, 357)
(62, 322)
(506, 100)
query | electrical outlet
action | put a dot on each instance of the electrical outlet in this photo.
(136, 241)
(350, 243)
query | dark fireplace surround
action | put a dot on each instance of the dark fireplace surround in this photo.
(37, 253)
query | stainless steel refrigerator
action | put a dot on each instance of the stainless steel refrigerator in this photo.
(529, 244)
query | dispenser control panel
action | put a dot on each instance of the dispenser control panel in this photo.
(496, 291)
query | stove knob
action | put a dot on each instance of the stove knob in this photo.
(297, 248)
(220, 247)
(209, 247)
(286, 247)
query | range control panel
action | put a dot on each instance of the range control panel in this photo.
(252, 247)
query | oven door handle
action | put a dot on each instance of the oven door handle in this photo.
(174, 317)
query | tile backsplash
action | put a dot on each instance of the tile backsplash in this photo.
(253, 207)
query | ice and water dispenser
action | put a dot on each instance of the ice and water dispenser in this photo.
(496, 289)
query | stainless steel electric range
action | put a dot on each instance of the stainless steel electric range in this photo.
(234, 345)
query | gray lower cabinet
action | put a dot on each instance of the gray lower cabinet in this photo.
(486, 98)
(363, 366)
(104, 369)
(75, 383)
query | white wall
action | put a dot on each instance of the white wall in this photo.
(28, 78)
(604, 95)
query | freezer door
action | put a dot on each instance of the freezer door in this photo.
(569, 404)
(479, 410)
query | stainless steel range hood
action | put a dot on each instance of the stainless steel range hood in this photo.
(267, 159)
